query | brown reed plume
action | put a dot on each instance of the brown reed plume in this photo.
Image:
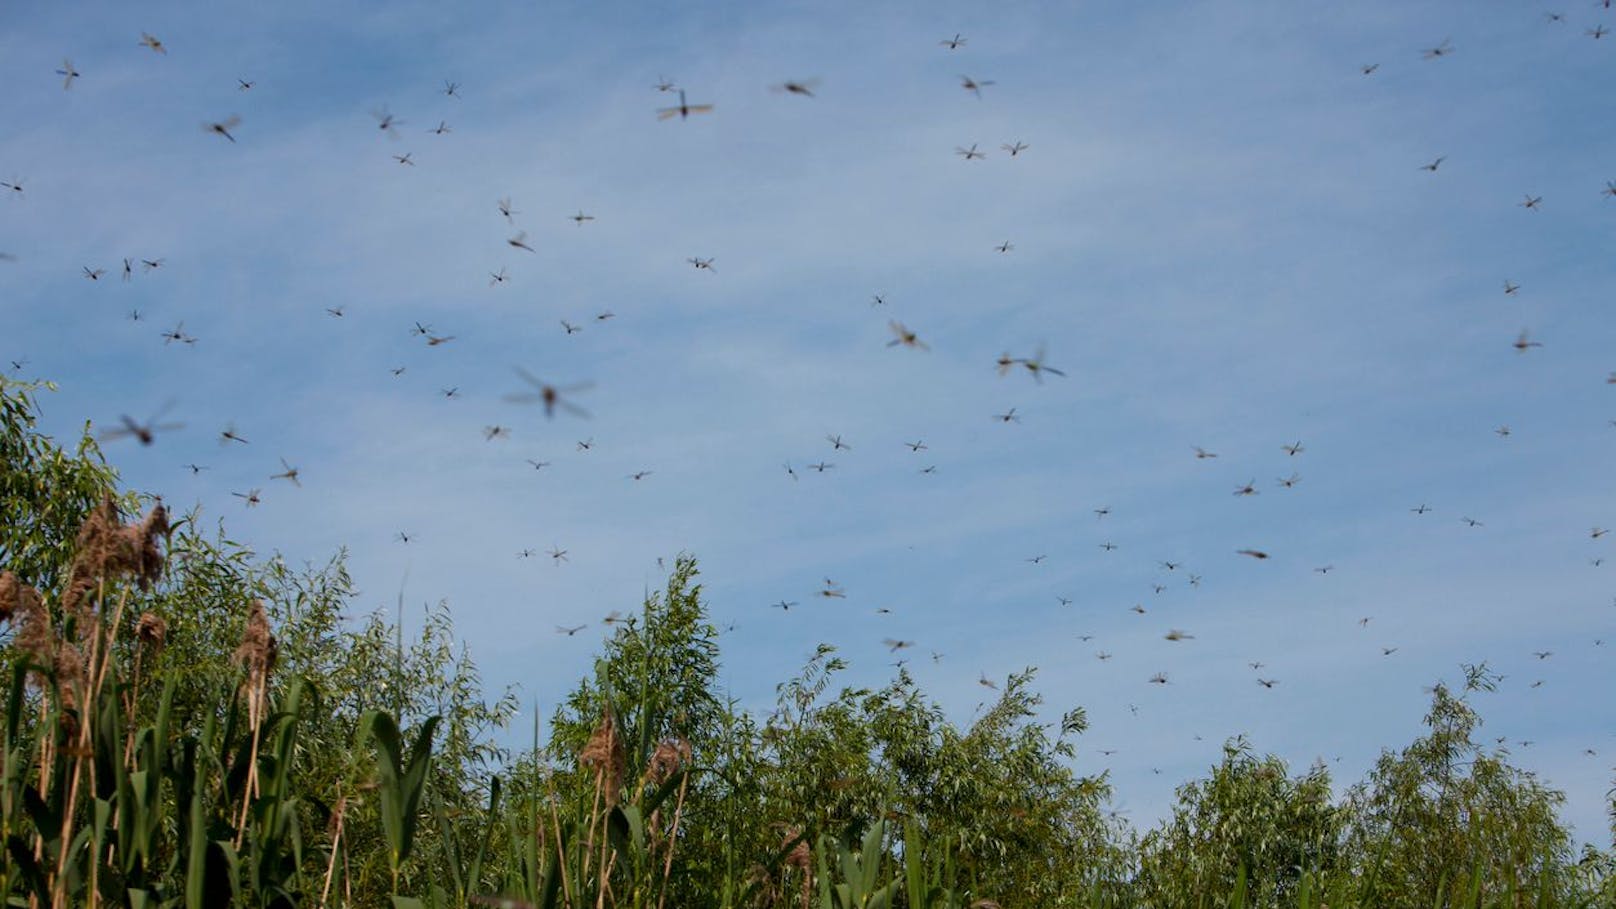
(256, 654)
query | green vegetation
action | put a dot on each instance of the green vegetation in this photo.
(187, 726)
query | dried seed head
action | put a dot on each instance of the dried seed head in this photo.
(258, 647)
(16, 597)
(800, 856)
(604, 754)
(152, 631)
(141, 542)
(106, 549)
(670, 755)
(35, 637)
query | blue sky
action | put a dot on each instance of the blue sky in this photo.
(1222, 233)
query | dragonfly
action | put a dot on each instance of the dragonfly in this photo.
(549, 395)
(1441, 50)
(249, 498)
(836, 443)
(289, 473)
(1434, 164)
(68, 73)
(386, 122)
(570, 328)
(230, 435)
(244, 85)
(177, 334)
(94, 274)
(145, 432)
(1522, 344)
(702, 263)
(664, 84)
(684, 109)
(905, 337)
(441, 128)
(1294, 449)
(150, 264)
(497, 277)
(223, 127)
(519, 241)
(406, 159)
(1005, 247)
(969, 153)
(451, 89)
(954, 43)
(1531, 202)
(505, 208)
(1368, 69)
(974, 86)
(1510, 288)
(570, 630)
(1014, 148)
(1009, 416)
(15, 186)
(580, 218)
(1036, 365)
(804, 87)
(151, 41)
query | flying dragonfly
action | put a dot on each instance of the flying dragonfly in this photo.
(702, 263)
(1522, 344)
(833, 590)
(290, 473)
(917, 445)
(223, 127)
(1434, 164)
(1441, 50)
(1005, 247)
(954, 43)
(1250, 489)
(1014, 148)
(490, 433)
(571, 328)
(15, 186)
(580, 218)
(406, 158)
(1294, 449)
(1290, 481)
(451, 89)
(1510, 288)
(499, 277)
(821, 467)
(150, 264)
(1531, 202)
(244, 85)
(68, 73)
(144, 432)
(836, 443)
(177, 334)
(519, 241)
(1009, 416)
(969, 153)
(250, 498)
(684, 109)
(1597, 32)
(1202, 454)
(151, 41)
(441, 128)
(94, 274)
(128, 270)
(229, 435)
(1035, 364)
(1368, 69)
(1609, 190)
(386, 122)
(570, 630)
(549, 395)
(974, 86)
(905, 337)
(505, 208)
(804, 87)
